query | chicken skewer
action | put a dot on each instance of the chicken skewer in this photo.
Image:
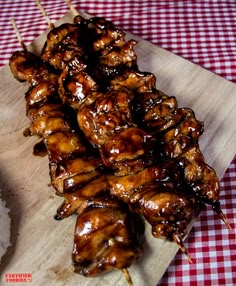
(111, 206)
(177, 132)
(187, 204)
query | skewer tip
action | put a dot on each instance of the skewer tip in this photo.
(127, 277)
(224, 219)
(181, 246)
(217, 209)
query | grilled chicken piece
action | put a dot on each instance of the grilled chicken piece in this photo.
(63, 44)
(68, 169)
(78, 89)
(43, 92)
(25, 66)
(109, 113)
(106, 120)
(56, 35)
(76, 200)
(104, 239)
(199, 177)
(128, 151)
(156, 111)
(64, 145)
(182, 135)
(45, 125)
(44, 108)
(115, 60)
(64, 54)
(169, 212)
(110, 53)
(125, 187)
(55, 109)
(135, 81)
(152, 194)
(105, 34)
(47, 119)
(122, 56)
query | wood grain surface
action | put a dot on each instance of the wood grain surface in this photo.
(41, 245)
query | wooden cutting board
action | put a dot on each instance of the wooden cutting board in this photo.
(42, 246)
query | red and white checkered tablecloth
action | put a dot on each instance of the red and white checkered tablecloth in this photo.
(202, 31)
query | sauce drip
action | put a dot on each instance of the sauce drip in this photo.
(40, 149)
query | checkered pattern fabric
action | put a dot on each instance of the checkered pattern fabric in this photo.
(202, 31)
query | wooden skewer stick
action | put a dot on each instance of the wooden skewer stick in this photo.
(181, 246)
(224, 219)
(217, 209)
(71, 7)
(44, 13)
(18, 35)
(125, 271)
(127, 276)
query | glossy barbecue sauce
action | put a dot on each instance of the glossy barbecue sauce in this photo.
(40, 149)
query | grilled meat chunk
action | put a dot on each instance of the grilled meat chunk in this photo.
(103, 240)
